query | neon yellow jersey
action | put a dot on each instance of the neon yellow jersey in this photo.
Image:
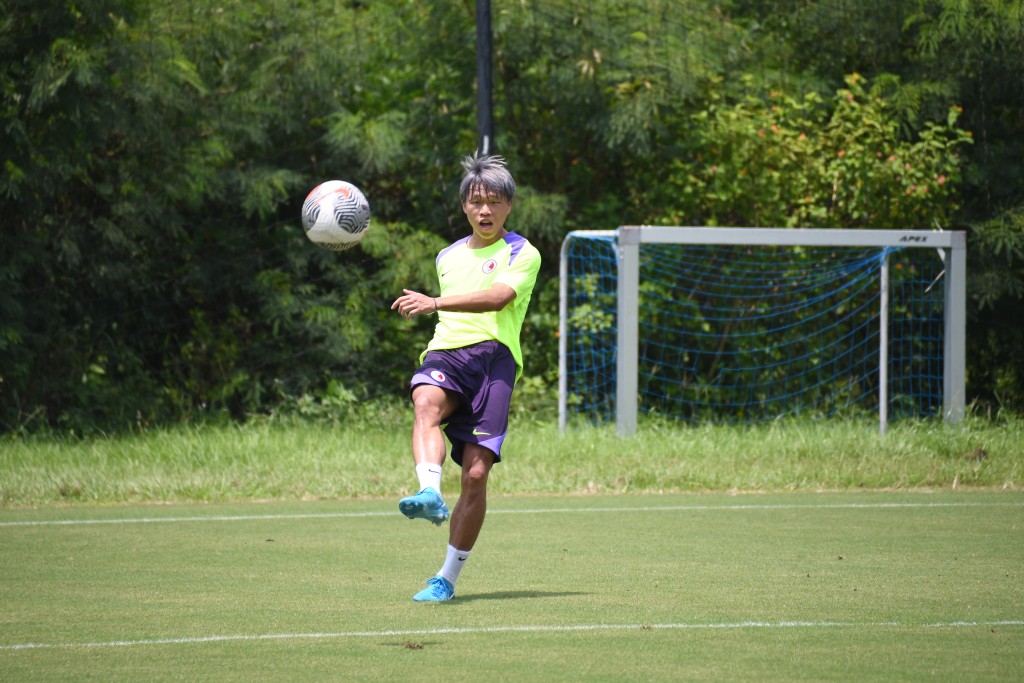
(512, 261)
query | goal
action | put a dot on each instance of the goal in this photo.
(755, 324)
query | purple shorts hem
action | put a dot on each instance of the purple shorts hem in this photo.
(482, 375)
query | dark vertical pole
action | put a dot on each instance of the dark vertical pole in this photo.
(484, 102)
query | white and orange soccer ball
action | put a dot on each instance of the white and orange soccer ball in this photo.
(335, 215)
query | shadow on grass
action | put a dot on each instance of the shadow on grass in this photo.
(515, 595)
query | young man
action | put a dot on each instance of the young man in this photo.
(468, 370)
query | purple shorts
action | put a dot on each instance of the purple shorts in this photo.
(482, 375)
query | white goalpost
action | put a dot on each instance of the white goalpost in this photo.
(748, 324)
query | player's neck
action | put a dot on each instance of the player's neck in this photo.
(478, 242)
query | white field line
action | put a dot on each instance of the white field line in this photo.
(498, 511)
(568, 628)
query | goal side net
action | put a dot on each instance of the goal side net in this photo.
(739, 325)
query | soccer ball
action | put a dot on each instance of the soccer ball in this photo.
(335, 215)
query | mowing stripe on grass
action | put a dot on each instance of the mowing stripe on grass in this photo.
(533, 511)
(568, 628)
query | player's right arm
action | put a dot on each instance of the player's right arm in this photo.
(494, 299)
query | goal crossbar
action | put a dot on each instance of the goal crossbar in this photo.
(952, 247)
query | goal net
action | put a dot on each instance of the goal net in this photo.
(746, 325)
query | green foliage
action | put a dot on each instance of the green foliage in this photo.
(1000, 242)
(997, 294)
(154, 156)
(779, 161)
(962, 51)
(976, 46)
(176, 202)
(591, 92)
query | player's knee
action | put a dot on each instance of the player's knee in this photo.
(428, 407)
(474, 478)
(476, 467)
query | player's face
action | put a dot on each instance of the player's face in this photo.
(486, 212)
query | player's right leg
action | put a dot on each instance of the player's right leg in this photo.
(432, 405)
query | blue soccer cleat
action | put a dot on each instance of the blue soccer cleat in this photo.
(438, 590)
(427, 504)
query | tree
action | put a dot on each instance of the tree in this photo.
(967, 52)
(155, 156)
(778, 161)
(976, 49)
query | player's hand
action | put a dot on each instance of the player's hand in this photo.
(413, 303)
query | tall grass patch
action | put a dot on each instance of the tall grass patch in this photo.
(368, 455)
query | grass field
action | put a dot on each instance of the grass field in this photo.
(273, 551)
(876, 586)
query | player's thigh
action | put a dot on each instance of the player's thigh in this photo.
(433, 402)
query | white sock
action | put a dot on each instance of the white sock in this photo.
(429, 475)
(453, 563)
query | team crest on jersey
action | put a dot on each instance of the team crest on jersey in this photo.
(437, 376)
(489, 266)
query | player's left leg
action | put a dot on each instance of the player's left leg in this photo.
(468, 518)
(466, 522)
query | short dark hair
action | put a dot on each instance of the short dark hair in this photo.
(488, 172)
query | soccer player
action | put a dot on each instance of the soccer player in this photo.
(470, 366)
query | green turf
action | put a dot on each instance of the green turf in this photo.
(778, 587)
